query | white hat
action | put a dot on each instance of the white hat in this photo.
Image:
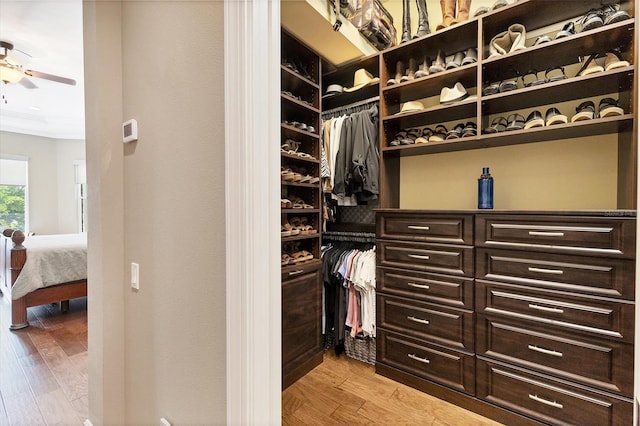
(456, 93)
(362, 78)
(332, 90)
(411, 106)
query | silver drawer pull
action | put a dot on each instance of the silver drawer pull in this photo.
(426, 287)
(420, 320)
(296, 272)
(545, 351)
(545, 309)
(546, 402)
(420, 228)
(546, 234)
(419, 256)
(546, 271)
(420, 359)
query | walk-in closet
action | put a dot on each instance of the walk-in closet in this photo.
(458, 212)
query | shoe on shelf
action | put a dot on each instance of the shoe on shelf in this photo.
(554, 116)
(509, 84)
(426, 133)
(498, 124)
(515, 122)
(530, 78)
(456, 132)
(411, 71)
(470, 56)
(593, 19)
(567, 30)
(491, 89)
(614, 60)
(612, 14)
(470, 129)
(456, 61)
(454, 94)
(589, 65)
(439, 134)
(542, 39)
(438, 63)
(498, 4)
(534, 120)
(585, 111)
(481, 11)
(399, 74)
(423, 71)
(608, 107)
(554, 74)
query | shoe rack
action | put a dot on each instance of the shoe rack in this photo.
(301, 209)
(561, 55)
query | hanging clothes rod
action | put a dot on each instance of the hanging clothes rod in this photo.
(361, 237)
(342, 108)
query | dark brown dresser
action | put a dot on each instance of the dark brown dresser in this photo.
(526, 314)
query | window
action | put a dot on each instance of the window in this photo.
(13, 193)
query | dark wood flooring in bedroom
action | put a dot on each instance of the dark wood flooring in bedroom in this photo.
(43, 368)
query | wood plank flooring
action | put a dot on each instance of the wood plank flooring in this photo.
(43, 368)
(344, 391)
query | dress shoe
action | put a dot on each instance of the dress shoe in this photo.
(614, 60)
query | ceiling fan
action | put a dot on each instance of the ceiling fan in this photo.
(12, 71)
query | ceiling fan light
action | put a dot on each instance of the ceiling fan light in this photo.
(9, 74)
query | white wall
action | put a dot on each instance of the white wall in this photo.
(159, 351)
(52, 205)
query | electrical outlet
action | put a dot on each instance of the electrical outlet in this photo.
(135, 276)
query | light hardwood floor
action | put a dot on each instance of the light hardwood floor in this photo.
(343, 391)
(43, 368)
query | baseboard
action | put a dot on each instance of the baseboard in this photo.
(295, 374)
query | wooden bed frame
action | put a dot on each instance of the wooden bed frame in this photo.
(13, 255)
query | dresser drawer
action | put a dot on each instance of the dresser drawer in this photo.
(450, 290)
(585, 235)
(600, 363)
(428, 321)
(548, 400)
(301, 319)
(432, 362)
(593, 316)
(425, 227)
(439, 258)
(593, 275)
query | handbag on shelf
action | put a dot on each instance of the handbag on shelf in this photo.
(375, 22)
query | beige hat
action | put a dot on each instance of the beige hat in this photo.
(411, 106)
(362, 78)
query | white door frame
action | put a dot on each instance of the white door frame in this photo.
(253, 329)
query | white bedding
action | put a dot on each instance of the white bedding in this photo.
(51, 259)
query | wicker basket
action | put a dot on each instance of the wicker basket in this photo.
(360, 348)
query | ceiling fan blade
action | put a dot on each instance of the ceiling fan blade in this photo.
(51, 77)
(25, 82)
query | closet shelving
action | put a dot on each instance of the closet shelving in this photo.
(301, 280)
(538, 18)
(343, 75)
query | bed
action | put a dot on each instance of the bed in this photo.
(36, 270)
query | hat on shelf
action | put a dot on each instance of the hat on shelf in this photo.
(411, 106)
(332, 90)
(362, 78)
